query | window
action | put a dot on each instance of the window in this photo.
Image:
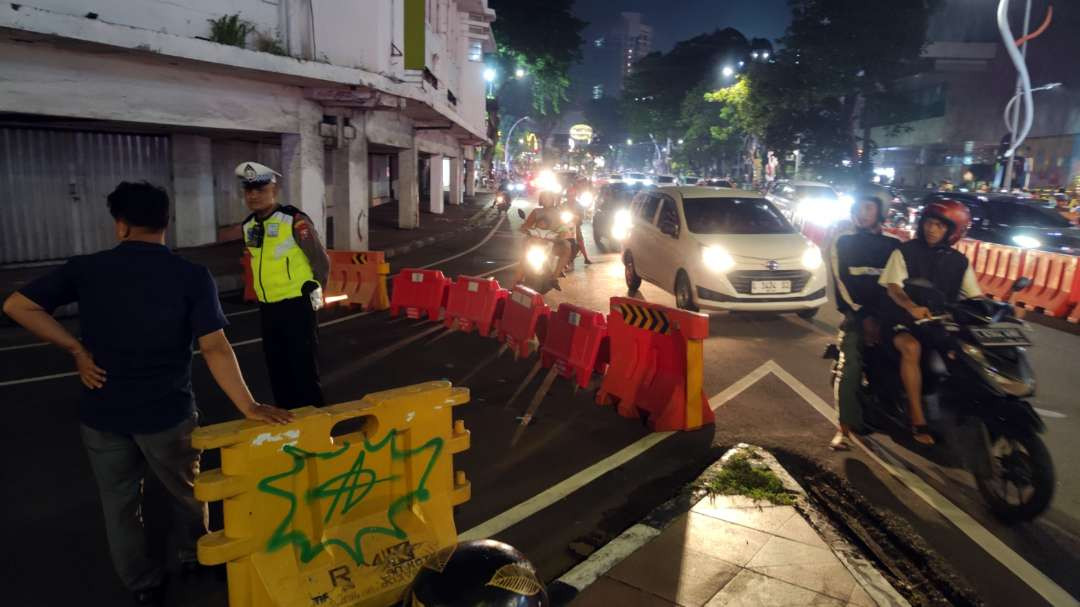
(598, 91)
(646, 207)
(815, 191)
(476, 51)
(599, 42)
(734, 216)
(1026, 216)
(668, 212)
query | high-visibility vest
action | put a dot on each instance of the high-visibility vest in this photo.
(279, 267)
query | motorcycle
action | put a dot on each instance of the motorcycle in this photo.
(976, 378)
(503, 201)
(540, 262)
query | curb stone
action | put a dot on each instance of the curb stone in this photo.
(423, 242)
(570, 584)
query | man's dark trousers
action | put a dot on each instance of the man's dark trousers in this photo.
(119, 463)
(290, 333)
(849, 383)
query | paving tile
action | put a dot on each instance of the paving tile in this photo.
(606, 592)
(765, 518)
(782, 551)
(830, 579)
(796, 528)
(676, 573)
(751, 589)
(713, 537)
(708, 504)
(859, 598)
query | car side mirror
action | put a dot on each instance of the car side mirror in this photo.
(1021, 283)
(670, 228)
(521, 213)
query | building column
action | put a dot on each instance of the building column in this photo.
(408, 193)
(456, 180)
(470, 178)
(302, 165)
(435, 186)
(193, 191)
(351, 191)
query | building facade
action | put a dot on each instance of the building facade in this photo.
(348, 99)
(611, 49)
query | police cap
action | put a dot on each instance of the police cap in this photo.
(253, 174)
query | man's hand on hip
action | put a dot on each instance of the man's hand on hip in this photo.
(91, 375)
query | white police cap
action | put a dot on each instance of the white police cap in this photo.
(253, 173)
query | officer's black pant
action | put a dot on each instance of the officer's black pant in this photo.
(291, 342)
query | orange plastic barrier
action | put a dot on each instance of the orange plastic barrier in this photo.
(360, 276)
(524, 317)
(657, 365)
(419, 292)
(474, 303)
(901, 233)
(249, 279)
(576, 343)
(1054, 281)
(969, 248)
(997, 267)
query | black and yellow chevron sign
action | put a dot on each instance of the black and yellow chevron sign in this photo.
(643, 317)
(360, 258)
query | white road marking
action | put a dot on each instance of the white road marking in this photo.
(549, 496)
(494, 229)
(1049, 413)
(241, 312)
(611, 554)
(1028, 573)
(24, 346)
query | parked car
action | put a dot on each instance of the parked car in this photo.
(665, 180)
(1019, 222)
(610, 222)
(722, 250)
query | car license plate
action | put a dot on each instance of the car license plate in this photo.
(762, 287)
(1000, 335)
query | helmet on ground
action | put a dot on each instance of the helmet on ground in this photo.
(953, 213)
(478, 573)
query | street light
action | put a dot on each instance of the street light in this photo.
(519, 73)
(629, 142)
(680, 142)
(728, 71)
(489, 74)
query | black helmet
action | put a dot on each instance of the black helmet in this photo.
(478, 573)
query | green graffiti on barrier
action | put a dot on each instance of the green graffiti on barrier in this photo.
(347, 490)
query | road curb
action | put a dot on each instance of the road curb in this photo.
(570, 584)
(423, 242)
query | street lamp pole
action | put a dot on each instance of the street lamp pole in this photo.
(506, 145)
(1015, 126)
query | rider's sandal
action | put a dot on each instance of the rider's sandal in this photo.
(921, 434)
(839, 442)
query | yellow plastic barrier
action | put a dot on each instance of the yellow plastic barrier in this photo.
(323, 521)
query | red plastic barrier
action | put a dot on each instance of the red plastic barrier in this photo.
(419, 292)
(657, 365)
(474, 303)
(969, 248)
(249, 279)
(524, 317)
(997, 267)
(576, 343)
(1054, 281)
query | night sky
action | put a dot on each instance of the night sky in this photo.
(674, 20)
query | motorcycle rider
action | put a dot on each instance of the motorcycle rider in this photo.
(858, 259)
(546, 217)
(929, 256)
(580, 185)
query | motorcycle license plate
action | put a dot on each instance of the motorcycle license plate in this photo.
(1000, 335)
(762, 287)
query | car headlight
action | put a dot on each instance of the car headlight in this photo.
(621, 224)
(811, 259)
(1026, 242)
(647, 181)
(566, 217)
(536, 258)
(717, 259)
(586, 199)
(847, 200)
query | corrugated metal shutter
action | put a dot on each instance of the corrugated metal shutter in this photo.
(53, 186)
(228, 196)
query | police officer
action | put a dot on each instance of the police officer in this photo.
(288, 267)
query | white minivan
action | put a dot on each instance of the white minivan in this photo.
(718, 249)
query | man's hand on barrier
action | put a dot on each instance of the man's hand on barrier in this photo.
(92, 376)
(267, 413)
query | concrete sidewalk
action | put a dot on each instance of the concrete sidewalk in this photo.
(727, 550)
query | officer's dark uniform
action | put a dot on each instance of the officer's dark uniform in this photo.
(288, 267)
(858, 260)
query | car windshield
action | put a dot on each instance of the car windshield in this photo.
(815, 191)
(719, 183)
(734, 216)
(665, 179)
(1023, 215)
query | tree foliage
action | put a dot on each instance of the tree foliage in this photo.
(542, 37)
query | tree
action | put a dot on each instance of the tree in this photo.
(543, 38)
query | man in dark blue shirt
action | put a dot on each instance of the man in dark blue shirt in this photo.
(141, 307)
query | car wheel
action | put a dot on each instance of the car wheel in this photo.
(633, 281)
(807, 314)
(684, 295)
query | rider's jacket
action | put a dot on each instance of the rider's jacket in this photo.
(858, 259)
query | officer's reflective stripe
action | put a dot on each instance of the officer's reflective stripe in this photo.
(865, 271)
(280, 265)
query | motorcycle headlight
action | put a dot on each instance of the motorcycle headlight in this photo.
(586, 199)
(811, 259)
(536, 258)
(717, 259)
(566, 217)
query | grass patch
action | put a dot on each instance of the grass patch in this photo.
(740, 477)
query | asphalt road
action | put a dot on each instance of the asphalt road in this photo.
(579, 476)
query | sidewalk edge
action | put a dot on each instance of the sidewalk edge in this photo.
(585, 573)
